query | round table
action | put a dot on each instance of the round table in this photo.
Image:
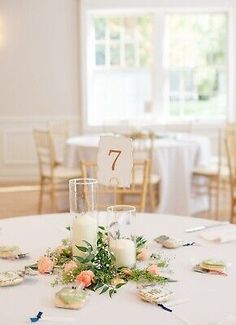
(175, 156)
(210, 297)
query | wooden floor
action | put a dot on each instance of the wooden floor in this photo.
(22, 200)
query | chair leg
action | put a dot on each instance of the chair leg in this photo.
(217, 205)
(210, 196)
(151, 196)
(53, 197)
(232, 215)
(40, 202)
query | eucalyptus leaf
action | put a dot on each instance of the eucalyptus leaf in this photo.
(89, 258)
(105, 288)
(98, 286)
(82, 248)
(111, 291)
(80, 259)
(88, 244)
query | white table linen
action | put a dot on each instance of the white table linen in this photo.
(174, 159)
(211, 298)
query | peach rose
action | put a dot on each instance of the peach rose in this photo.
(142, 254)
(70, 266)
(85, 278)
(45, 265)
(153, 269)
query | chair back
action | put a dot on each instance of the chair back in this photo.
(59, 132)
(143, 144)
(137, 189)
(222, 134)
(230, 142)
(45, 152)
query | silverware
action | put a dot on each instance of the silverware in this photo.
(206, 227)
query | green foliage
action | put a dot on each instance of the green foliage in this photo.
(140, 242)
(143, 276)
(108, 278)
(100, 262)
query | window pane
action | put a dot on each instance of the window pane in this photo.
(100, 54)
(196, 46)
(100, 28)
(129, 55)
(118, 88)
(144, 31)
(115, 54)
(129, 28)
(114, 28)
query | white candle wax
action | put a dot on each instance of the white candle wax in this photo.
(84, 228)
(124, 251)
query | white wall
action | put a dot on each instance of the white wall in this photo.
(39, 71)
(39, 61)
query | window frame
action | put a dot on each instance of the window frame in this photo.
(112, 7)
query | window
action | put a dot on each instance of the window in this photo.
(142, 64)
(196, 52)
(121, 75)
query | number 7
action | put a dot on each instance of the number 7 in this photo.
(118, 152)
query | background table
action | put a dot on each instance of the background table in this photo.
(174, 159)
(210, 297)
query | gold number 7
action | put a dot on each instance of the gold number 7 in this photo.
(118, 152)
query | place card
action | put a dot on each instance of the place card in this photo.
(115, 161)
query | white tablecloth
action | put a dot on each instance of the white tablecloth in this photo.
(211, 297)
(174, 158)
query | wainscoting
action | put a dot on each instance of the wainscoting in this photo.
(18, 161)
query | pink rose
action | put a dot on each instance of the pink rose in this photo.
(70, 266)
(85, 278)
(153, 269)
(143, 254)
(45, 265)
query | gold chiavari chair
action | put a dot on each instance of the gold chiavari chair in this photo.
(137, 191)
(143, 146)
(59, 132)
(230, 142)
(52, 175)
(216, 174)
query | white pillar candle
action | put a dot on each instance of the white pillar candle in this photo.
(84, 228)
(124, 251)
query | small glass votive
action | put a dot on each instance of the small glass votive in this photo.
(121, 230)
(83, 196)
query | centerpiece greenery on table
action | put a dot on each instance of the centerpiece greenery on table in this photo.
(96, 269)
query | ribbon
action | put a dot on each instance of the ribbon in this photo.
(165, 308)
(36, 318)
(189, 244)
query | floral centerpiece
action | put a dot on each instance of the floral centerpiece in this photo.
(96, 269)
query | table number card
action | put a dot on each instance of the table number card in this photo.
(115, 161)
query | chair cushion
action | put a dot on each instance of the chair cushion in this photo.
(62, 172)
(154, 179)
(66, 172)
(210, 171)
